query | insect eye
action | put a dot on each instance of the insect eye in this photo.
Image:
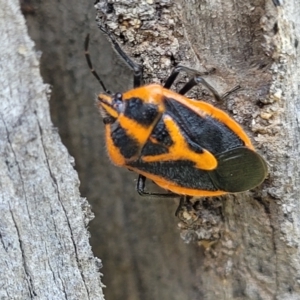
(118, 103)
(118, 98)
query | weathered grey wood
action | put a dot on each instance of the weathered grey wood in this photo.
(44, 243)
(251, 239)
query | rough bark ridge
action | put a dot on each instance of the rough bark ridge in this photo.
(254, 254)
(44, 246)
(259, 41)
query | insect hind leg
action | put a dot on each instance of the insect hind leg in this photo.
(199, 80)
(195, 80)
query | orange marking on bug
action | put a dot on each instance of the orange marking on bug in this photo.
(109, 110)
(105, 103)
(174, 188)
(113, 151)
(154, 93)
(150, 93)
(202, 108)
(134, 130)
(105, 99)
(180, 150)
(224, 118)
(153, 140)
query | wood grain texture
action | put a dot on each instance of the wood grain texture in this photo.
(44, 247)
(251, 239)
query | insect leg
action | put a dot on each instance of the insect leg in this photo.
(184, 205)
(196, 79)
(179, 208)
(199, 80)
(137, 69)
(140, 187)
(231, 91)
(170, 80)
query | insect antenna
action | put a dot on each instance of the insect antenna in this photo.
(89, 62)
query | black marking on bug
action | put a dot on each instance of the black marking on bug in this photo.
(181, 172)
(127, 145)
(141, 112)
(162, 140)
(202, 132)
(238, 170)
(161, 134)
(152, 149)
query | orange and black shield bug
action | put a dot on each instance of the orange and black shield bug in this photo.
(185, 146)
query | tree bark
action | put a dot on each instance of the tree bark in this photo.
(251, 239)
(44, 246)
(258, 255)
(248, 242)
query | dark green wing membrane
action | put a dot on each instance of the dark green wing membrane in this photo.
(239, 169)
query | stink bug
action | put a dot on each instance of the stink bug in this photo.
(188, 147)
